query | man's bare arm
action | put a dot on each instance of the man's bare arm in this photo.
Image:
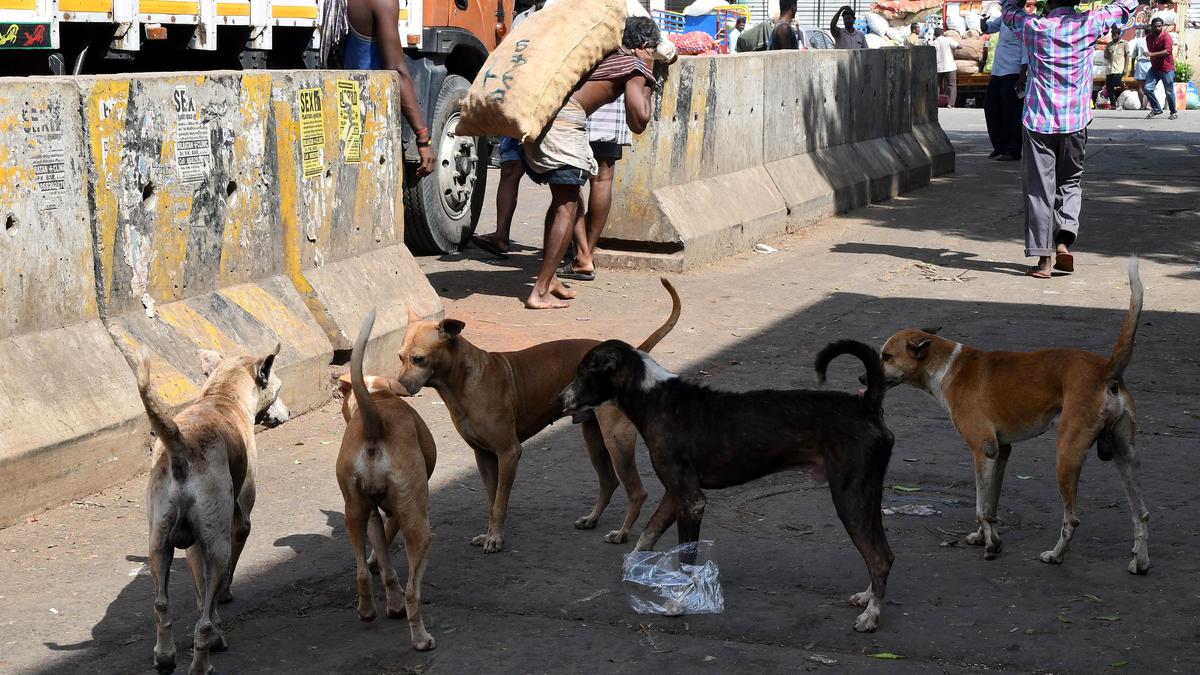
(638, 103)
(386, 15)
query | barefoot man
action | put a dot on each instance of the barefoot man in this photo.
(562, 156)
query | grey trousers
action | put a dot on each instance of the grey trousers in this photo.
(1052, 173)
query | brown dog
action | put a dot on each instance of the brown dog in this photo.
(499, 399)
(385, 462)
(202, 488)
(996, 399)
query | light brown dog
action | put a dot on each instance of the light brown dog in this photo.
(500, 399)
(202, 488)
(996, 399)
(385, 462)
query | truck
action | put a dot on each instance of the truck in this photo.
(446, 41)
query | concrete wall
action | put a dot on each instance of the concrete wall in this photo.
(223, 210)
(744, 148)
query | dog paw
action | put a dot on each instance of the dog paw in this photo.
(585, 523)
(493, 543)
(617, 537)
(867, 622)
(479, 539)
(164, 662)
(425, 644)
(366, 611)
(218, 643)
(225, 596)
(1139, 566)
(976, 538)
(397, 612)
(1048, 557)
(861, 599)
(992, 550)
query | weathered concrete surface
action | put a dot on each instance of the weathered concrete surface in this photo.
(70, 419)
(552, 601)
(746, 148)
(344, 227)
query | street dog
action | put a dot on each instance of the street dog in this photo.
(701, 438)
(202, 488)
(500, 399)
(996, 399)
(384, 464)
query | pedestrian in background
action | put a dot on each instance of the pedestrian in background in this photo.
(1159, 49)
(946, 68)
(846, 36)
(914, 36)
(1140, 67)
(1002, 102)
(734, 33)
(783, 33)
(1114, 61)
(1057, 112)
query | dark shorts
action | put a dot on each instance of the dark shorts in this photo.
(510, 150)
(565, 175)
(606, 150)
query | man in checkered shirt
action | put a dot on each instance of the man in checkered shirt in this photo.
(1057, 112)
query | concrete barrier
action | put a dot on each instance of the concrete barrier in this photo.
(749, 147)
(342, 209)
(70, 418)
(222, 210)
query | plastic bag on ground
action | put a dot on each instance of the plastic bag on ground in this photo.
(663, 584)
(1128, 100)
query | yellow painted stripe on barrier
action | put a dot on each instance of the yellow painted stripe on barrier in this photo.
(275, 315)
(293, 12)
(233, 9)
(171, 386)
(241, 214)
(193, 325)
(693, 146)
(368, 187)
(172, 204)
(168, 7)
(19, 5)
(86, 6)
(106, 108)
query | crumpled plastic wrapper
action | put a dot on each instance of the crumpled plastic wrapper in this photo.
(662, 584)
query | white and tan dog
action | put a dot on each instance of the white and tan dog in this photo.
(384, 464)
(996, 399)
(202, 490)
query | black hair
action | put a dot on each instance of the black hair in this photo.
(785, 5)
(938, 32)
(640, 31)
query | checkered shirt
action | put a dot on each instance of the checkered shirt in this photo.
(1059, 46)
(607, 124)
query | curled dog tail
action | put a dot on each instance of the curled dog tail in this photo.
(875, 386)
(1123, 351)
(662, 331)
(372, 424)
(161, 423)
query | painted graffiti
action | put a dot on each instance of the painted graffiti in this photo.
(24, 36)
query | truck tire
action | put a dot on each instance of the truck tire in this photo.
(442, 209)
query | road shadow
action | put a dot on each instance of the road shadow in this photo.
(941, 257)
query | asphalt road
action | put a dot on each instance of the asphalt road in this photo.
(75, 592)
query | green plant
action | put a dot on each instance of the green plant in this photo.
(1183, 72)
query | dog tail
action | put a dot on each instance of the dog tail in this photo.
(1123, 351)
(161, 423)
(372, 424)
(870, 358)
(662, 331)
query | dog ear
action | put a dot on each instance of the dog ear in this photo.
(919, 347)
(263, 372)
(450, 328)
(932, 331)
(413, 317)
(209, 360)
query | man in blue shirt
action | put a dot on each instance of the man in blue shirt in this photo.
(1002, 103)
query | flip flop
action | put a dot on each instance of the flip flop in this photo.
(487, 245)
(568, 271)
(1037, 274)
(1064, 262)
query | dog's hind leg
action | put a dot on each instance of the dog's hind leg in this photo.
(161, 554)
(664, 517)
(620, 437)
(607, 478)
(418, 542)
(241, 532)
(1122, 434)
(1073, 442)
(387, 573)
(357, 515)
(390, 528)
(208, 635)
(858, 500)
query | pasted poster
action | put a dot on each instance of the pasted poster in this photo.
(312, 132)
(350, 120)
(49, 158)
(193, 143)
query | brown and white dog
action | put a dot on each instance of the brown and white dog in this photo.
(385, 462)
(996, 399)
(500, 399)
(202, 488)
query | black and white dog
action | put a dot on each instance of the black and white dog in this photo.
(703, 438)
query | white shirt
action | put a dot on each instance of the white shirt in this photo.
(733, 36)
(945, 54)
(1010, 53)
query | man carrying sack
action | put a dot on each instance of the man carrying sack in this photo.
(562, 158)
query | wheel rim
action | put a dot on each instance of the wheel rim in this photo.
(458, 159)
